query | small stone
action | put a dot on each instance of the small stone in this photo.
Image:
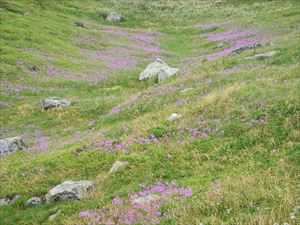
(146, 199)
(34, 201)
(174, 116)
(118, 166)
(11, 145)
(53, 102)
(4, 202)
(79, 24)
(69, 191)
(114, 17)
(219, 45)
(54, 216)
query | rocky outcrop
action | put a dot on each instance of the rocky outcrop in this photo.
(11, 145)
(69, 191)
(54, 102)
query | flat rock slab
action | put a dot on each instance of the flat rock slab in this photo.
(11, 145)
(263, 55)
(69, 191)
(54, 102)
(158, 68)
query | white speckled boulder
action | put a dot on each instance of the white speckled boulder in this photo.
(11, 145)
(69, 191)
(53, 102)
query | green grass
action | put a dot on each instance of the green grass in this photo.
(257, 164)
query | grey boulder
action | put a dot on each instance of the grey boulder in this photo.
(114, 17)
(118, 166)
(53, 102)
(11, 145)
(34, 201)
(69, 191)
(158, 68)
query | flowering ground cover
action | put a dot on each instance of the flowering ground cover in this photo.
(231, 158)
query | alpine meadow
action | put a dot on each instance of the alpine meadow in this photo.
(146, 112)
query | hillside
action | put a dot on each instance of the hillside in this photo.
(229, 155)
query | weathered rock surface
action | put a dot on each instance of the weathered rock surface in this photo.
(174, 116)
(114, 17)
(240, 49)
(263, 55)
(158, 68)
(118, 166)
(69, 191)
(34, 201)
(165, 73)
(53, 102)
(11, 145)
(146, 199)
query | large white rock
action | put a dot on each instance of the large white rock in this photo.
(53, 102)
(69, 191)
(11, 145)
(118, 166)
(158, 68)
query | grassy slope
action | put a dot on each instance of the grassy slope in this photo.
(258, 164)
